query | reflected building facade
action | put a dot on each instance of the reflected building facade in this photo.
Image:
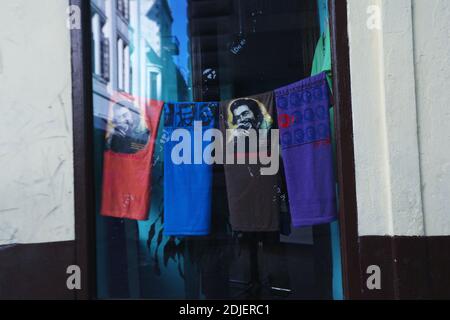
(134, 53)
(134, 59)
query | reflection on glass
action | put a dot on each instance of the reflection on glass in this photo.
(188, 50)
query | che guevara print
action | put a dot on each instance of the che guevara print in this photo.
(127, 163)
(244, 114)
(252, 197)
(128, 132)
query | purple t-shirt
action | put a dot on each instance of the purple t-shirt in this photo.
(306, 149)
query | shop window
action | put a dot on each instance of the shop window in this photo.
(197, 52)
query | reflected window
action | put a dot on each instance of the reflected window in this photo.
(123, 65)
(123, 8)
(100, 45)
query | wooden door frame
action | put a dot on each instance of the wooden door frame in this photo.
(345, 160)
(84, 161)
(83, 150)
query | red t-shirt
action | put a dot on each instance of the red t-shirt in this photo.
(128, 160)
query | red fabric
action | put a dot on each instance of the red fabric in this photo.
(127, 177)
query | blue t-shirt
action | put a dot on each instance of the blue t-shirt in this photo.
(187, 177)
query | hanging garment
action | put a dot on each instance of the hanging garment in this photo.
(187, 174)
(306, 150)
(253, 197)
(322, 56)
(322, 63)
(322, 7)
(127, 160)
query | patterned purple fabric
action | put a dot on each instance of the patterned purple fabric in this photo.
(306, 150)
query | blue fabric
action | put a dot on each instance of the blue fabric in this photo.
(187, 187)
(338, 293)
(323, 14)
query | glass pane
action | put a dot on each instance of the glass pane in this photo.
(146, 52)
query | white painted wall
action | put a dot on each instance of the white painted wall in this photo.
(432, 63)
(36, 166)
(400, 106)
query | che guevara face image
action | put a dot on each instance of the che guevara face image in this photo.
(186, 115)
(206, 114)
(122, 121)
(129, 133)
(246, 114)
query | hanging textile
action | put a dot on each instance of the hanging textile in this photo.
(253, 197)
(187, 185)
(306, 150)
(127, 159)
